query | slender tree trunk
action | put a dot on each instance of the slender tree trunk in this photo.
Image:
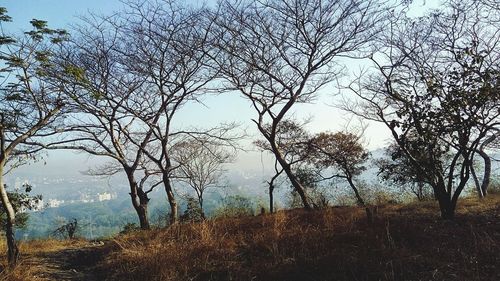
(479, 190)
(360, 201)
(487, 172)
(12, 249)
(202, 212)
(170, 198)
(271, 198)
(293, 179)
(139, 200)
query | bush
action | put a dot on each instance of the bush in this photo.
(235, 206)
(129, 227)
(192, 212)
(494, 187)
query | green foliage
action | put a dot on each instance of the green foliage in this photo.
(398, 170)
(192, 212)
(75, 72)
(341, 151)
(3, 15)
(494, 187)
(310, 179)
(129, 227)
(235, 206)
(21, 202)
(40, 30)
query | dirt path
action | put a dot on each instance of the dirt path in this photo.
(77, 262)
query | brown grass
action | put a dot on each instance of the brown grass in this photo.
(30, 263)
(404, 243)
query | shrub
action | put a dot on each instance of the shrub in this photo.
(235, 206)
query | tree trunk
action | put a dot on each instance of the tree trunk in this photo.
(479, 190)
(360, 201)
(446, 205)
(170, 198)
(139, 200)
(487, 172)
(202, 212)
(271, 198)
(12, 249)
(142, 209)
(293, 179)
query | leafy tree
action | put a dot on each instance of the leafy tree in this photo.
(341, 151)
(435, 87)
(341, 154)
(30, 104)
(193, 212)
(235, 206)
(399, 170)
(21, 201)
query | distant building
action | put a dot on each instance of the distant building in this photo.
(85, 198)
(54, 203)
(105, 196)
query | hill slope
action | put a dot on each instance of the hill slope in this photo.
(403, 243)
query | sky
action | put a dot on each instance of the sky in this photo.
(216, 109)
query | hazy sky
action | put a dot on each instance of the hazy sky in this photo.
(227, 107)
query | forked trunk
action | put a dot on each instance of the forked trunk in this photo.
(142, 210)
(139, 201)
(446, 204)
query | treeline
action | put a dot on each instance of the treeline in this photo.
(115, 87)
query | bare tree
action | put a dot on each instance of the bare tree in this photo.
(280, 53)
(201, 165)
(436, 89)
(166, 46)
(29, 104)
(101, 91)
(396, 168)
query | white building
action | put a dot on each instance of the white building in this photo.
(105, 196)
(54, 203)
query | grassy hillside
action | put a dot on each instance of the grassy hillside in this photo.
(405, 242)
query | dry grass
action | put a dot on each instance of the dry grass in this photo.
(30, 263)
(404, 243)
